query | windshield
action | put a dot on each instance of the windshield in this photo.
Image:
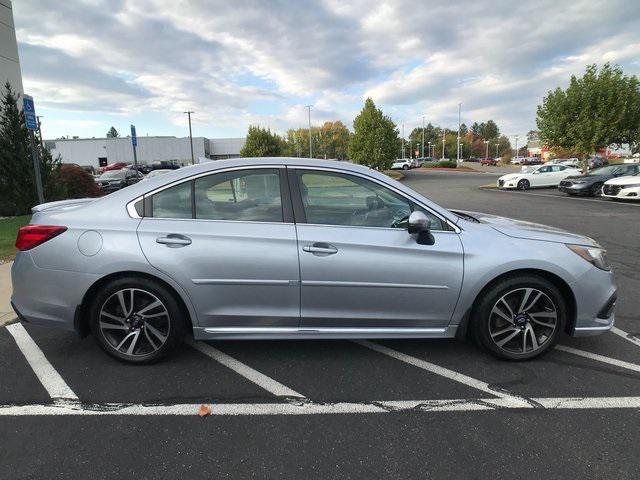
(609, 170)
(112, 174)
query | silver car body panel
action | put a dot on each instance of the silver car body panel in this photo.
(255, 280)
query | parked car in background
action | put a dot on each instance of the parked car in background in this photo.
(571, 162)
(156, 173)
(141, 167)
(623, 188)
(164, 165)
(597, 162)
(401, 164)
(90, 169)
(492, 162)
(592, 182)
(531, 161)
(537, 176)
(518, 160)
(113, 166)
(216, 251)
(473, 159)
(117, 179)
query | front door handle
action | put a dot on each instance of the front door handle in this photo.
(320, 249)
(174, 240)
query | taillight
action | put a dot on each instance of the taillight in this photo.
(33, 235)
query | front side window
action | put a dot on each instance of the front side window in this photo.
(247, 195)
(340, 199)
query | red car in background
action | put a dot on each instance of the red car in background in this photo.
(113, 166)
(492, 162)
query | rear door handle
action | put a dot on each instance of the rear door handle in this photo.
(174, 240)
(320, 249)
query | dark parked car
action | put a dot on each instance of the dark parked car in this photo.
(591, 183)
(117, 179)
(164, 165)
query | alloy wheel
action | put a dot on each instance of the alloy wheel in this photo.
(523, 321)
(134, 322)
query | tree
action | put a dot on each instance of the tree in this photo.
(599, 109)
(113, 133)
(262, 143)
(375, 138)
(331, 140)
(489, 130)
(463, 129)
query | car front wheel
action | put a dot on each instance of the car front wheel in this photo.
(523, 184)
(520, 318)
(136, 320)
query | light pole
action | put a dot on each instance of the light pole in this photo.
(486, 155)
(310, 140)
(190, 136)
(403, 140)
(459, 121)
(497, 144)
(516, 155)
(429, 149)
(423, 136)
(444, 131)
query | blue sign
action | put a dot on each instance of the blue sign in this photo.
(134, 139)
(29, 110)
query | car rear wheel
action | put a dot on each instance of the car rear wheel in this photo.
(524, 184)
(520, 318)
(405, 167)
(136, 320)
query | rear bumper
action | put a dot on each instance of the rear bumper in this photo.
(47, 297)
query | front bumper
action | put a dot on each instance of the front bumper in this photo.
(575, 189)
(595, 294)
(622, 192)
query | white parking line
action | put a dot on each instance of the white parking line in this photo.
(48, 376)
(438, 370)
(310, 408)
(599, 358)
(627, 336)
(267, 383)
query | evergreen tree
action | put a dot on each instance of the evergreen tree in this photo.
(262, 143)
(113, 133)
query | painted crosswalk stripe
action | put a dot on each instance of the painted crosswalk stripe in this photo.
(442, 371)
(51, 380)
(263, 381)
(310, 408)
(599, 358)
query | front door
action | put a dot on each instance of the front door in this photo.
(229, 240)
(359, 266)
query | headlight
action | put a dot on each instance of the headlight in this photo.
(634, 185)
(595, 256)
(578, 182)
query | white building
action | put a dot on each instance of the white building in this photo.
(102, 151)
(9, 61)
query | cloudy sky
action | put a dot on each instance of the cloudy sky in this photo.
(91, 64)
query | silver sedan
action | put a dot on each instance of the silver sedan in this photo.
(287, 248)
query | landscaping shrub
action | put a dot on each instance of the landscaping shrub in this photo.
(71, 181)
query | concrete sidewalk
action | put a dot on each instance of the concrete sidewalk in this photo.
(6, 312)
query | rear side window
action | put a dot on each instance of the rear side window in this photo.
(245, 195)
(173, 202)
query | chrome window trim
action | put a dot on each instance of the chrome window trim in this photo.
(455, 228)
(131, 207)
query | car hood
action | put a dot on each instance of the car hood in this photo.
(530, 231)
(588, 178)
(626, 180)
(511, 176)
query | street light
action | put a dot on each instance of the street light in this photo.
(430, 149)
(486, 155)
(516, 155)
(403, 140)
(423, 137)
(459, 122)
(190, 135)
(310, 140)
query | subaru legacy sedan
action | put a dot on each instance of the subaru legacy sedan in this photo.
(286, 248)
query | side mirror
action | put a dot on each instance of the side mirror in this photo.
(419, 224)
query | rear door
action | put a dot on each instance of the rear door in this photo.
(359, 266)
(229, 239)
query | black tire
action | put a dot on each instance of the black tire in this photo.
(596, 189)
(172, 330)
(524, 184)
(484, 321)
(405, 167)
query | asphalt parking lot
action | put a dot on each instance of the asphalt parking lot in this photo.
(341, 409)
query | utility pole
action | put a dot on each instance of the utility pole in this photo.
(423, 138)
(310, 139)
(516, 155)
(403, 140)
(486, 155)
(444, 131)
(459, 119)
(38, 117)
(429, 149)
(190, 136)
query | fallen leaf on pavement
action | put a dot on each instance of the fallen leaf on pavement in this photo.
(204, 411)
